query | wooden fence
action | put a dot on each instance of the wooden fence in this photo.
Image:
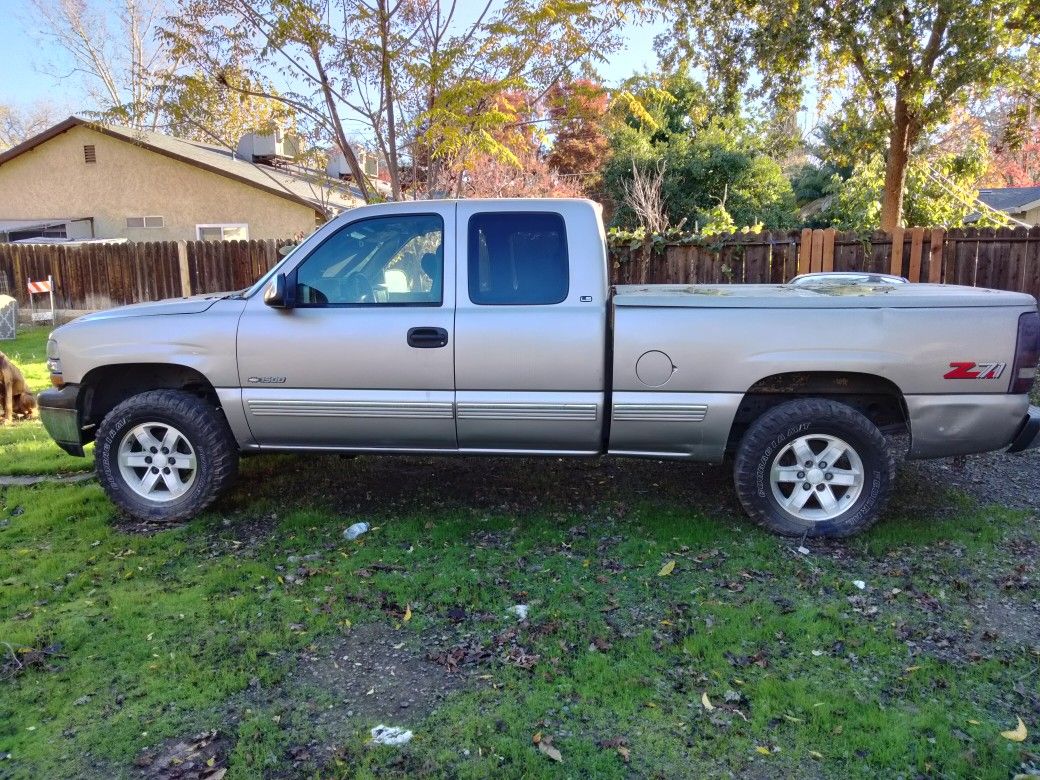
(1007, 258)
(94, 276)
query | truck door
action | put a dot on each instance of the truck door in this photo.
(530, 327)
(364, 359)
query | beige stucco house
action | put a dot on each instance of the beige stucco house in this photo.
(81, 179)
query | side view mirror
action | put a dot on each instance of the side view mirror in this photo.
(275, 293)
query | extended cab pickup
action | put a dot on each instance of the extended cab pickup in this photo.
(490, 327)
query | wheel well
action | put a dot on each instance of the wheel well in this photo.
(878, 399)
(107, 386)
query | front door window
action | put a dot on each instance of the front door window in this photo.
(383, 260)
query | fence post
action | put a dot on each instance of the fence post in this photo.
(182, 261)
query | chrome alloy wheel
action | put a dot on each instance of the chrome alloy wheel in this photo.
(817, 477)
(157, 462)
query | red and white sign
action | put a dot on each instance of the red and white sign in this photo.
(40, 287)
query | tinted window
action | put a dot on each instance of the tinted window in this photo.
(382, 260)
(517, 258)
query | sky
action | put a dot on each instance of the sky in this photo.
(28, 64)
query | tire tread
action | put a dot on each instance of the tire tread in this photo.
(214, 438)
(780, 418)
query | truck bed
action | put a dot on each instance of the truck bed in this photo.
(834, 296)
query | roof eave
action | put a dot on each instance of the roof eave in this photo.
(75, 121)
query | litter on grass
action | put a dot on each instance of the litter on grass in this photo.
(520, 610)
(390, 735)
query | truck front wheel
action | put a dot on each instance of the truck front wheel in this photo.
(165, 455)
(814, 467)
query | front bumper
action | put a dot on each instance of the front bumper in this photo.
(59, 411)
(1028, 437)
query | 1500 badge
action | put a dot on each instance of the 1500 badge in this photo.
(971, 370)
(267, 380)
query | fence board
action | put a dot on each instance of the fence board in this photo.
(805, 251)
(827, 261)
(985, 273)
(896, 262)
(966, 257)
(1032, 269)
(935, 255)
(916, 248)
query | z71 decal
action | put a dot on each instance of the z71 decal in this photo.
(971, 370)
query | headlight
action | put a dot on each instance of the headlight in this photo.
(54, 363)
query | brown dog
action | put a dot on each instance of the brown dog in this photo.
(18, 401)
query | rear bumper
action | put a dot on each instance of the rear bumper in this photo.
(1028, 437)
(59, 411)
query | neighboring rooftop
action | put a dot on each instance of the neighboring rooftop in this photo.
(297, 184)
(1013, 200)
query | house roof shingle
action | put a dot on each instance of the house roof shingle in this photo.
(1013, 200)
(299, 186)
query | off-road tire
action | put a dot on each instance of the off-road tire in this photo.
(782, 424)
(200, 422)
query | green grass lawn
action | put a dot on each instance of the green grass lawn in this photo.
(666, 635)
(25, 447)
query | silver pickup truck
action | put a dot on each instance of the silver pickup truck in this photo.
(489, 327)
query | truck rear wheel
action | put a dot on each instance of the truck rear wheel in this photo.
(814, 467)
(165, 455)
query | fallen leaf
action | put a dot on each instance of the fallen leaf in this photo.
(550, 751)
(706, 702)
(1018, 735)
(407, 613)
(763, 750)
(666, 569)
(817, 755)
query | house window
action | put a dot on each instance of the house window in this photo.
(145, 222)
(89, 153)
(228, 232)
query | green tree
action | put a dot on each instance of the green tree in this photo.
(940, 192)
(910, 61)
(712, 160)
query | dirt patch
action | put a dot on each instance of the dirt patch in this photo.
(15, 661)
(376, 673)
(992, 478)
(201, 757)
(343, 687)
(1009, 621)
(28, 480)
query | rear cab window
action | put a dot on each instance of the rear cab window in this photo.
(518, 258)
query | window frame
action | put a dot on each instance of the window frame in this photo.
(144, 223)
(199, 228)
(472, 261)
(291, 276)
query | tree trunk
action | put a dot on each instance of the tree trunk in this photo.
(899, 142)
(389, 102)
